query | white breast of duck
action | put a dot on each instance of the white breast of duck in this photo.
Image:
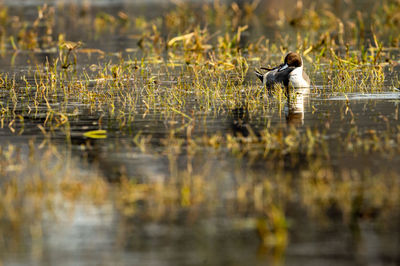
(296, 78)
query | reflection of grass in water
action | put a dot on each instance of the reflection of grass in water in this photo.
(39, 185)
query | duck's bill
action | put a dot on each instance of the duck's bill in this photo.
(283, 67)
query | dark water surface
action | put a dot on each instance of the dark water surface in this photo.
(221, 231)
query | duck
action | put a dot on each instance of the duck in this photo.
(290, 73)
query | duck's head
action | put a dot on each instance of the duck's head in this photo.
(292, 60)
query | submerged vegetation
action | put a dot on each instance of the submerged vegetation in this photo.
(173, 127)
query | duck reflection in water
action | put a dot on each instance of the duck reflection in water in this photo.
(294, 106)
(294, 113)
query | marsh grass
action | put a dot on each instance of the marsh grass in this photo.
(182, 77)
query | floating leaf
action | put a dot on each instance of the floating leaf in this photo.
(96, 134)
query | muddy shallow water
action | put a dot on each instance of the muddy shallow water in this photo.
(334, 203)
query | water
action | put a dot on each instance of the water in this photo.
(332, 200)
